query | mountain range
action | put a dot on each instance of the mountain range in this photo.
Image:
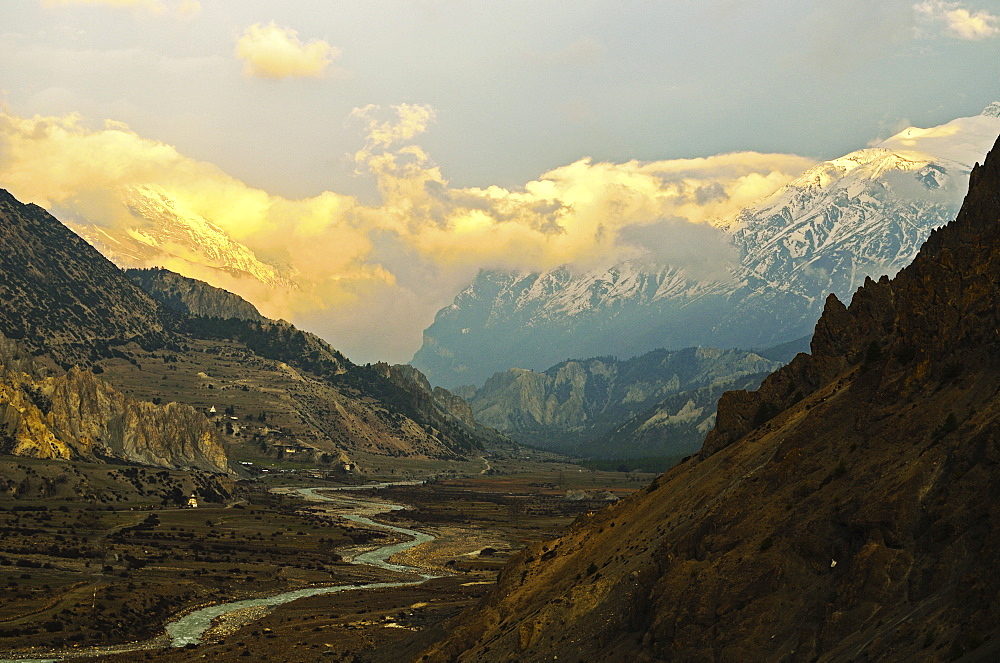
(845, 511)
(864, 214)
(661, 403)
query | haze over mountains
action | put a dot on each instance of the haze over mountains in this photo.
(862, 215)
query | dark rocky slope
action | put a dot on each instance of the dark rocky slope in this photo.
(42, 267)
(191, 296)
(847, 511)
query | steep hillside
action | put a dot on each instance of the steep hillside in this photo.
(66, 301)
(864, 214)
(62, 296)
(576, 405)
(844, 512)
(192, 297)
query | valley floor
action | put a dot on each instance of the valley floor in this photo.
(86, 575)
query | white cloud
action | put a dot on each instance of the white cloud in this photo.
(958, 21)
(410, 121)
(270, 51)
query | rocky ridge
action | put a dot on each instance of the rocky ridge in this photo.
(844, 512)
(577, 406)
(192, 297)
(41, 268)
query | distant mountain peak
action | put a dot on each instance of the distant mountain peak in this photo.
(166, 231)
(993, 110)
(863, 214)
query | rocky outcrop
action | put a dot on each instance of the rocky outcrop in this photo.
(449, 415)
(190, 296)
(844, 512)
(63, 297)
(78, 416)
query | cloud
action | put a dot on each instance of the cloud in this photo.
(959, 22)
(269, 51)
(411, 120)
(184, 8)
(401, 259)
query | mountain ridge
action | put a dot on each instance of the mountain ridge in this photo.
(580, 406)
(43, 308)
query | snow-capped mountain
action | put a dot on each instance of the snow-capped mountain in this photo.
(166, 234)
(864, 214)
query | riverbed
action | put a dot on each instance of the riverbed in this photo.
(191, 628)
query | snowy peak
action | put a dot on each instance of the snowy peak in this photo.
(165, 232)
(861, 215)
(964, 140)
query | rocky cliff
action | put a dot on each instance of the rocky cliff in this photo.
(190, 296)
(78, 416)
(844, 512)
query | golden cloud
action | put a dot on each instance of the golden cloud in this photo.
(405, 256)
(270, 51)
(960, 22)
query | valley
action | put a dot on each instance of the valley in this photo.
(694, 358)
(113, 573)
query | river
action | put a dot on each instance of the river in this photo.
(190, 628)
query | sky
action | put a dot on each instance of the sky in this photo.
(387, 151)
